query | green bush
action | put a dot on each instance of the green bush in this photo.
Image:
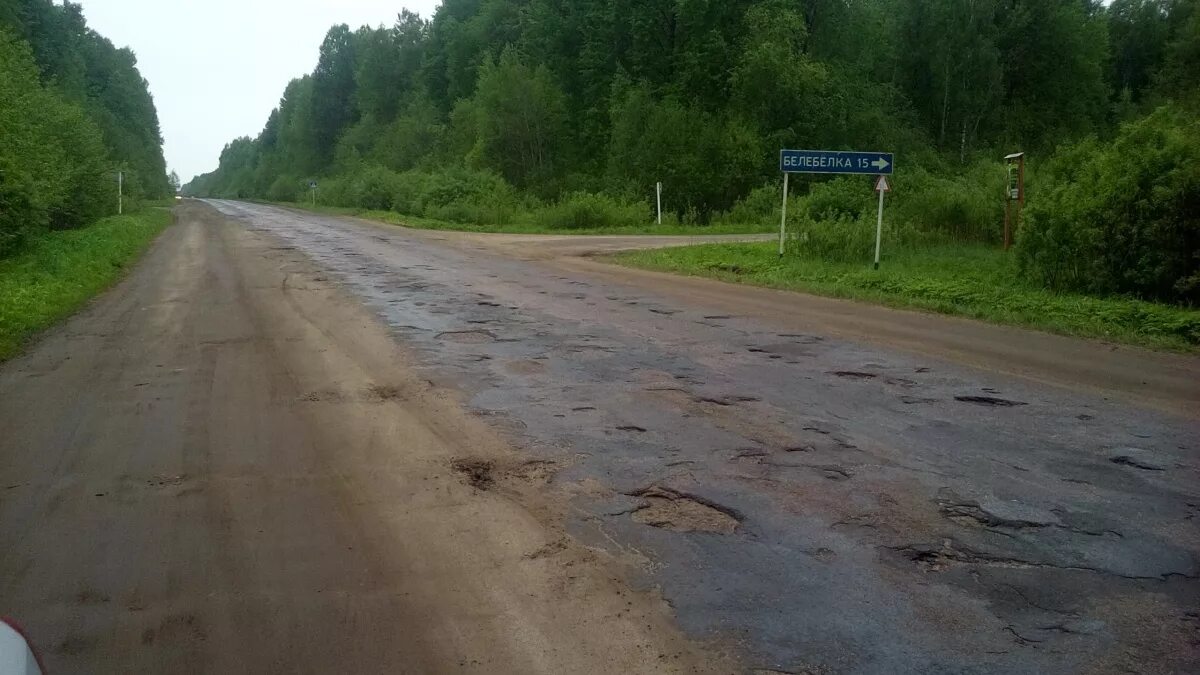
(55, 172)
(337, 191)
(1121, 217)
(374, 188)
(761, 206)
(459, 185)
(968, 206)
(410, 187)
(284, 189)
(837, 199)
(586, 210)
(849, 239)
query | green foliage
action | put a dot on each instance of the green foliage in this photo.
(56, 272)
(466, 196)
(519, 118)
(285, 189)
(965, 207)
(589, 210)
(52, 159)
(1122, 217)
(494, 107)
(703, 161)
(840, 198)
(74, 110)
(761, 206)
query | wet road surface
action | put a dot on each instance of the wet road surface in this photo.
(828, 504)
(810, 502)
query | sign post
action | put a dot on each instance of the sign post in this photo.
(312, 186)
(882, 187)
(120, 193)
(835, 161)
(783, 218)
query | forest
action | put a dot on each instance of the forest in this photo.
(74, 111)
(565, 113)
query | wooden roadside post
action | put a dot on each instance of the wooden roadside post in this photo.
(1014, 196)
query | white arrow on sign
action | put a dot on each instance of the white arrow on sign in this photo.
(880, 164)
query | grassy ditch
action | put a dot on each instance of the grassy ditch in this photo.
(55, 273)
(979, 282)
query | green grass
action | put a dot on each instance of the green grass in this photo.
(393, 218)
(56, 273)
(972, 281)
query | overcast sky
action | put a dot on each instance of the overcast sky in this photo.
(217, 67)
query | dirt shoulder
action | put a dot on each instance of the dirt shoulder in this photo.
(226, 465)
(1162, 380)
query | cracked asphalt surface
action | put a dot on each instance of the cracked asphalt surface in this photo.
(831, 506)
(778, 489)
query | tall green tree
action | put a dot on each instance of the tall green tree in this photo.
(520, 121)
(333, 104)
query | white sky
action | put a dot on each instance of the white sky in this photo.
(217, 67)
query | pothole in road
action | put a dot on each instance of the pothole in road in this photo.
(1137, 462)
(525, 367)
(484, 474)
(673, 510)
(725, 401)
(802, 338)
(470, 337)
(991, 401)
(478, 472)
(854, 374)
(378, 393)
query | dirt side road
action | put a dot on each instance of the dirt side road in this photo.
(225, 465)
(1163, 380)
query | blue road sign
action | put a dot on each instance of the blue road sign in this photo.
(833, 161)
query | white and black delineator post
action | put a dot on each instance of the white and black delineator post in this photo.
(882, 187)
(658, 199)
(783, 215)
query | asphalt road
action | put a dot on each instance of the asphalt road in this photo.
(298, 443)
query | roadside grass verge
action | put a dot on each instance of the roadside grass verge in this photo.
(972, 281)
(57, 272)
(525, 227)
